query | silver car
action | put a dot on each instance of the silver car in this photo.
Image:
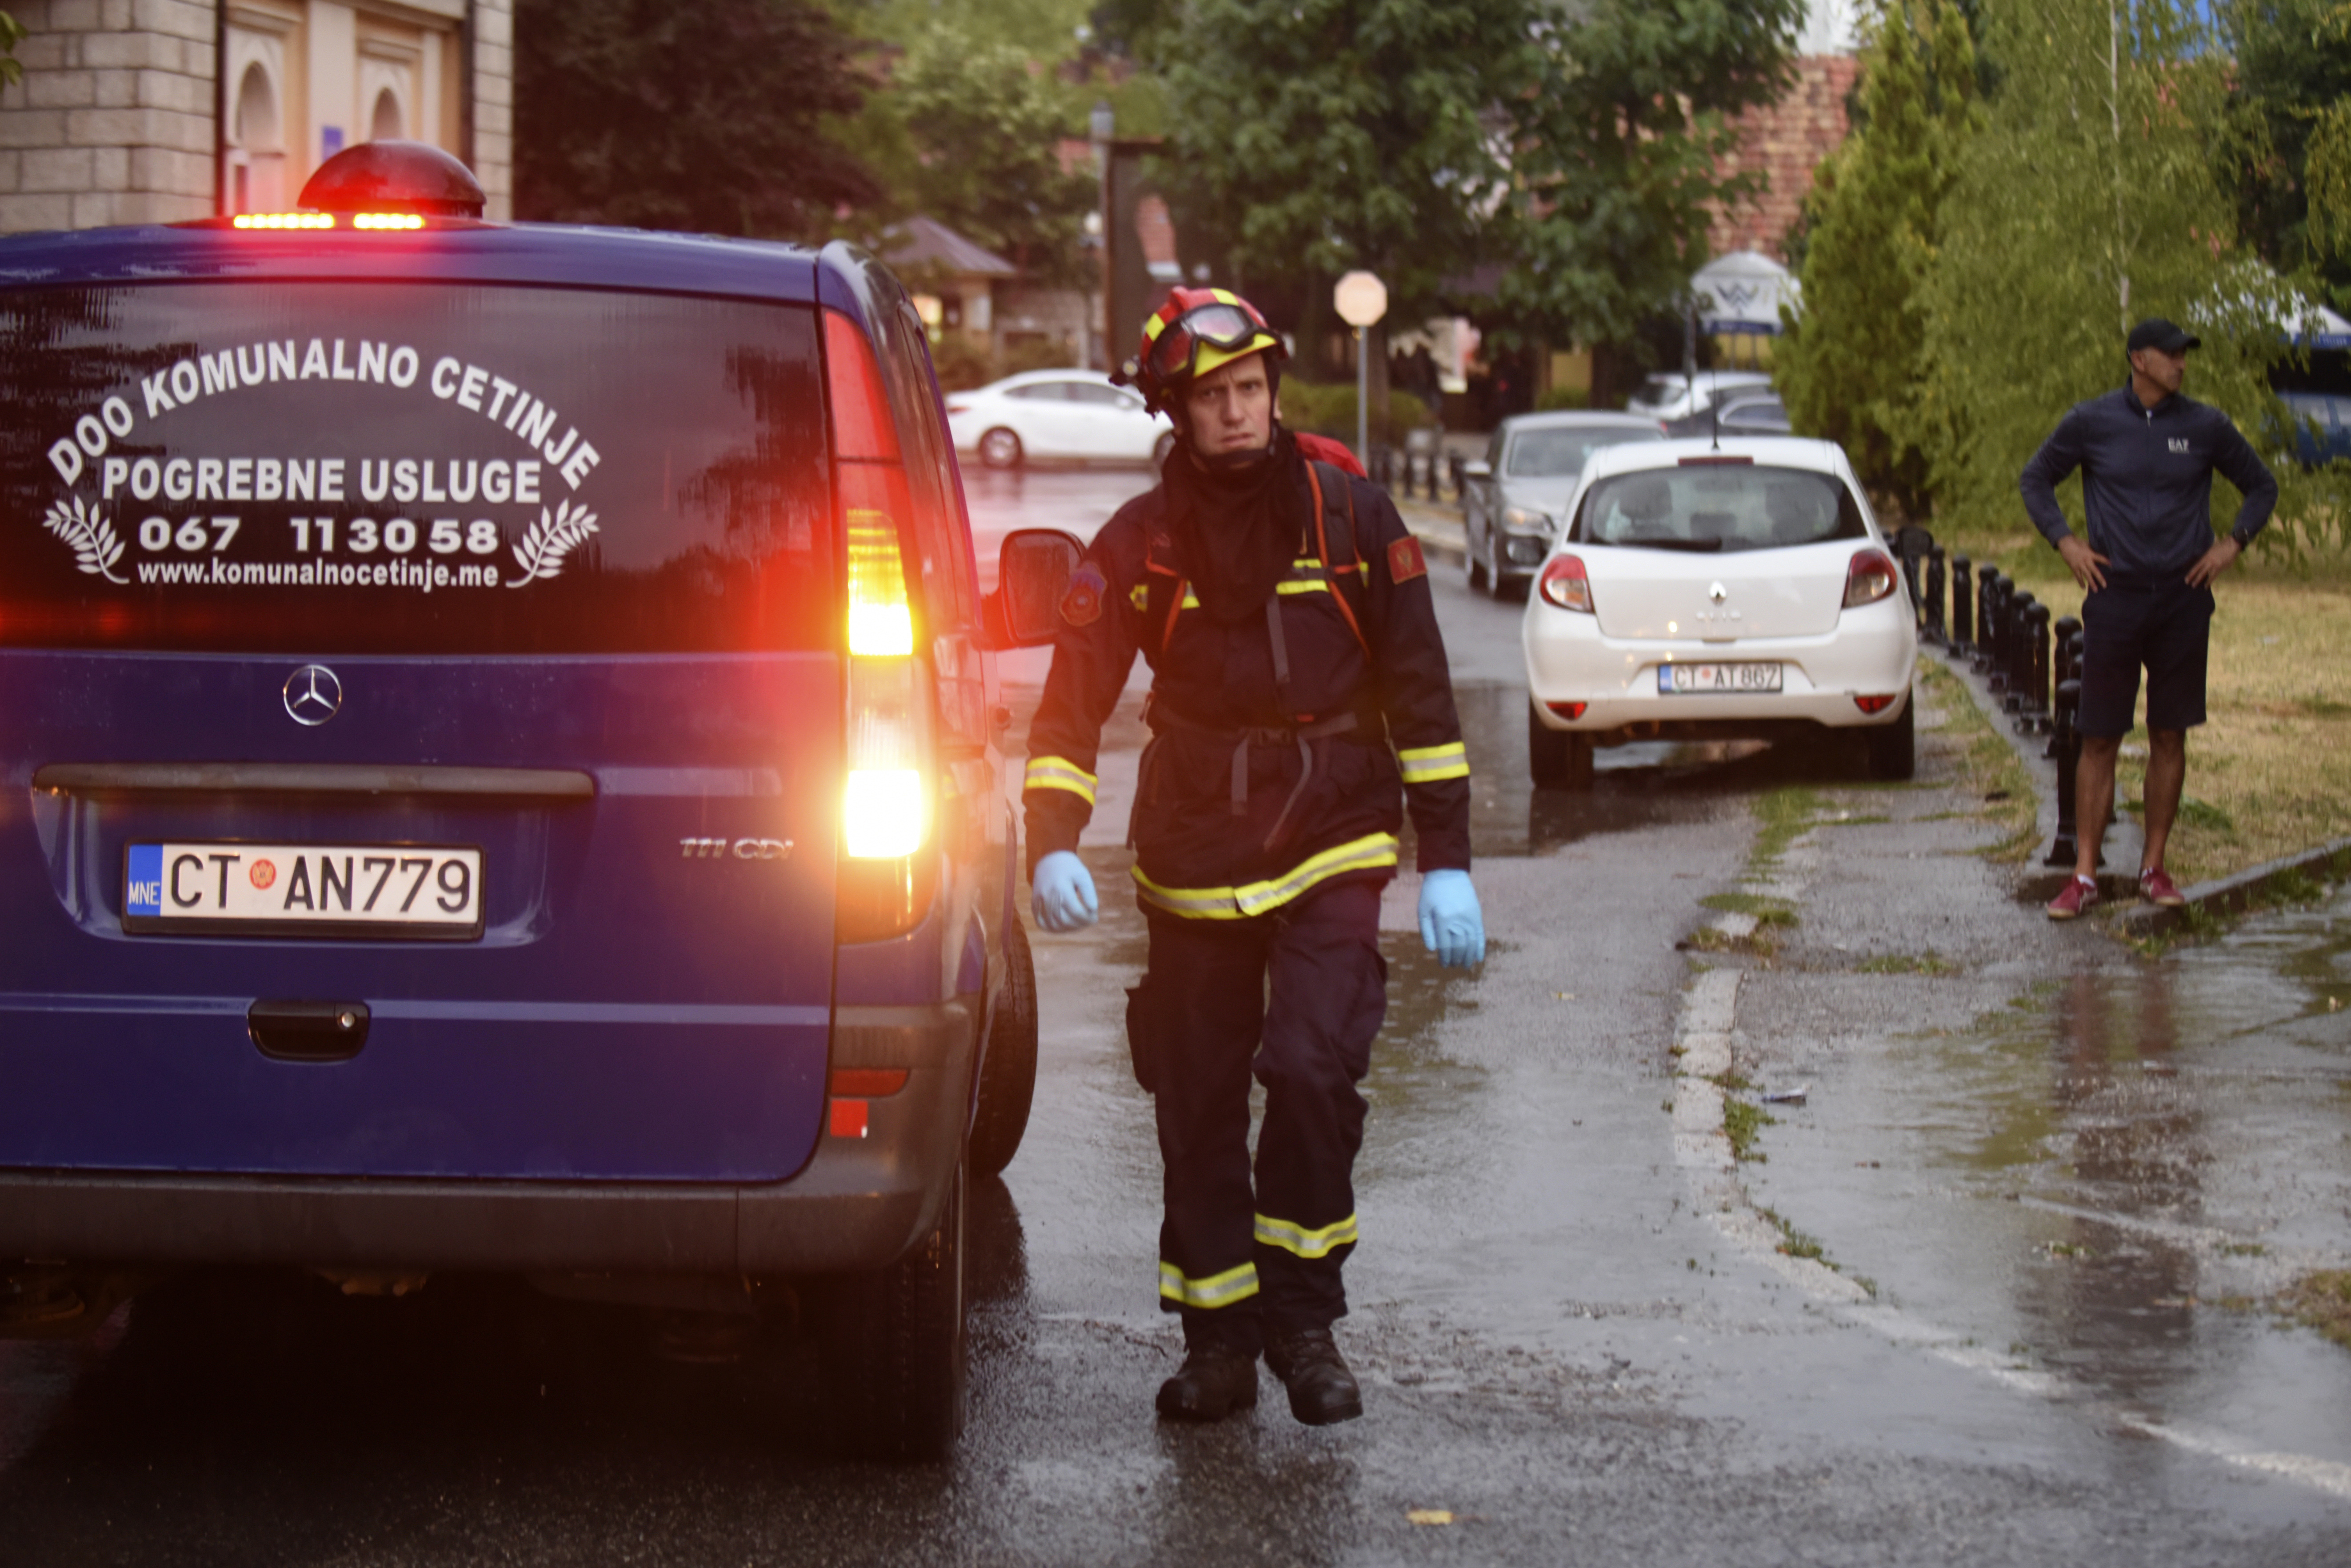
(1513, 499)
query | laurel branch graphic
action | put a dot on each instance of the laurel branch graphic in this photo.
(95, 548)
(556, 535)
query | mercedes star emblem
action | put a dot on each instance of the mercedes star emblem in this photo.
(1715, 591)
(313, 695)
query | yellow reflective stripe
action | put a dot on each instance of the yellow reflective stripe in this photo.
(1191, 600)
(1306, 1243)
(1139, 595)
(1373, 850)
(1215, 1291)
(1427, 764)
(1302, 585)
(1306, 563)
(1059, 773)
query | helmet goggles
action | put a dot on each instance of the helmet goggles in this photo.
(1227, 330)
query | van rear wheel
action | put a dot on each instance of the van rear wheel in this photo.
(1007, 1073)
(894, 1344)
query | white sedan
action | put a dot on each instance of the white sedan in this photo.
(1705, 591)
(1057, 415)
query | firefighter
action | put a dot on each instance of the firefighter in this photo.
(1299, 701)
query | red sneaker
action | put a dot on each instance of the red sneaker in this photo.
(2079, 895)
(2154, 885)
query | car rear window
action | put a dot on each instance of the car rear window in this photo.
(1718, 506)
(1560, 453)
(411, 468)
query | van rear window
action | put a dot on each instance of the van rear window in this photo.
(363, 467)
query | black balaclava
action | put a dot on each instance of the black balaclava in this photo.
(1236, 518)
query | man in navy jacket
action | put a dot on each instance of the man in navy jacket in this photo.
(2146, 453)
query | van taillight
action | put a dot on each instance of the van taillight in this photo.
(888, 861)
(1565, 583)
(1872, 576)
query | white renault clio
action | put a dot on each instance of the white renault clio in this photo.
(1708, 591)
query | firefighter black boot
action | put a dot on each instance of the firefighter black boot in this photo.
(1321, 1389)
(1213, 1383)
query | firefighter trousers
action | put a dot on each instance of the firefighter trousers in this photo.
(1294, 995)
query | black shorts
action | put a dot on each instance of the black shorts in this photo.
(2164, 626)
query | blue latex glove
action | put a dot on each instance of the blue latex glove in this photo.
(1062, 896)
(1452, 924)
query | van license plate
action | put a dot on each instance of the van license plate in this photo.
(314, 890)
(1676, 679)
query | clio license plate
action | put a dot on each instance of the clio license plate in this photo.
(429, 890)
(1678, 679)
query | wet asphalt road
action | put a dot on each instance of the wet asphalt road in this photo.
(2062, 1169)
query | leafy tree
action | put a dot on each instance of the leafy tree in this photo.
(12, 33)
(1849, 366)
(1322, 135)
(2287, 159)
(2087, 202)
(1616, 146)
(984, 127)
(708, 115)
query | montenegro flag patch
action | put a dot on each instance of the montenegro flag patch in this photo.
(1405, 561)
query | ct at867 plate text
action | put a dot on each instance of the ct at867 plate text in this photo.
(428, 891)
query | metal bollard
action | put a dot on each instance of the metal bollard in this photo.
(2034, 719)
(2000, 612)
(2066, 850)
(2065, 665)
(1963, 605)
(1987, 622)
(1936, 636)
(2016, 650)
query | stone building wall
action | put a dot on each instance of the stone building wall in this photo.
(114, 121)
(121, 119)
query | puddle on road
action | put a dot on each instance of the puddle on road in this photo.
(2107, 1177)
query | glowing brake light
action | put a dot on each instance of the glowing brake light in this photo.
(376, 221)
(283, 220)
(881, 620)
(1564, 583)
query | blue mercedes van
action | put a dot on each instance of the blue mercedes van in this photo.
(499, 770)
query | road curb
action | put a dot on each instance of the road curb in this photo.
(2229, 894)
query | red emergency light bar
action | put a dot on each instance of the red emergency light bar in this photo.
(379, 220)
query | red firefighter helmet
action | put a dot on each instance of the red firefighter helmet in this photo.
(1197, 331)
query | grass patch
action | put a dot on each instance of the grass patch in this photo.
(1989, 771)
(1766, 910)
(1743, 1122)
(1796, 1244)
(1787, 814)
(1928, 963)
(2271, 769)
(2323, 1302)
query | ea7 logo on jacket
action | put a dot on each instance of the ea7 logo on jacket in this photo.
(2179, 446)
(742, 849)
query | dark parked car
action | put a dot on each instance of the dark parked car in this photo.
(507, 777)
(2322, 426)
(1743, 412)
(1514, 497)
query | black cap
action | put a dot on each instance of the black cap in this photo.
(2155, 332)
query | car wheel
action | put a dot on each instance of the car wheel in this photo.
(1557, 758)
(1161, 447)
(1477, 568)
(894, 1346)
(1000, 448)
(1893, 748)
(1007, 1073)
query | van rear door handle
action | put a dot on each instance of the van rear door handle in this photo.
(308, 1031)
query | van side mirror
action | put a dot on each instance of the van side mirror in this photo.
(1478, 469)
(1033, 567)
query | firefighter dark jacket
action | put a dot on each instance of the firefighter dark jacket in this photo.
(1253, 791)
